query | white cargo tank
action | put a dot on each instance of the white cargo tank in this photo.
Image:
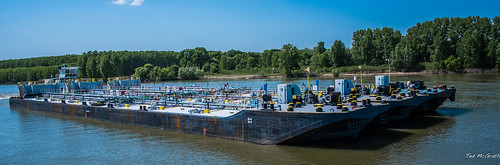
(343, 86)
(286, 92)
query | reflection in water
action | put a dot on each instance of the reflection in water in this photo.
(448, 111)
(468, 125)
(417, 122)
(370, 139)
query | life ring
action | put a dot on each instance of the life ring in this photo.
(401, 85)
(417, 85)
(328, 98)
(308, 100)
(381, 90)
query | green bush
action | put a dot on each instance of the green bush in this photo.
(172, 73)
(298, 73)
(432, 66)
(454, 64)
(335, 72)
(366, 68)
(206, 67)
(214, 68)
(190, 73)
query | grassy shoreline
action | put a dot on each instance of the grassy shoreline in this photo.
(242, 75)
(330, 75)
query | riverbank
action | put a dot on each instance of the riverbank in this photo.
(248, 76)
(329, 75)
(242, 76)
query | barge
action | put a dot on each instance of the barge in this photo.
(287, 115)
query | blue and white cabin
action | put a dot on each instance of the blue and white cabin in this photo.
(381, 80)
(68, 72)
(343, 86)
(286, 92)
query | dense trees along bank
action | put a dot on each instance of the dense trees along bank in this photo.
(450, 44)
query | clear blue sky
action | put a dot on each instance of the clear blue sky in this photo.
(32, 28)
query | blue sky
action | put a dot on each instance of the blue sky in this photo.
(33, 28)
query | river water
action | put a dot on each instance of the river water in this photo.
(462, 132)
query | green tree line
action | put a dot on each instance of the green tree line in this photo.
(38, 61)
(450, 44)
(14, 75)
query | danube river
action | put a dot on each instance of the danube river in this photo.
(466, 131)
